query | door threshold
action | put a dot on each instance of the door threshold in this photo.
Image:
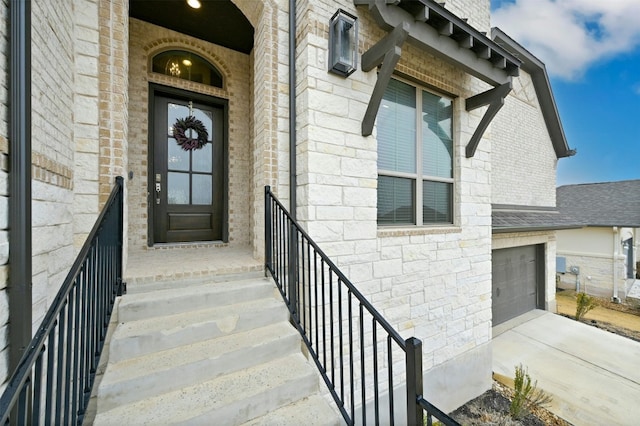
(187, 244)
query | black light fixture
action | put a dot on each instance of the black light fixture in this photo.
(343, 43)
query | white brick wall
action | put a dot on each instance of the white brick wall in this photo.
(522, 158)
(477, 12)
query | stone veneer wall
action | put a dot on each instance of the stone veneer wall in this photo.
(431, 282)
(146, 40)
(86, 119)
(53, 118)
(523, 159)
(4, 189)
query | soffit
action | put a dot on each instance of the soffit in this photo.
(217, 21)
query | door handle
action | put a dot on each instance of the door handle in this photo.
(158, 187)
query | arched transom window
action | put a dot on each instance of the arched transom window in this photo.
(188, 66)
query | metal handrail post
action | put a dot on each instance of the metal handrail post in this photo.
(293, 267)
(268, 232)
(120, 279)
(414, 381)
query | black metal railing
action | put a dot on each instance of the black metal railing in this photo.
(373, 374)
(53, 381)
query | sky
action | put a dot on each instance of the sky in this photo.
(591, 49)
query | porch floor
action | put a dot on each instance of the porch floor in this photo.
(188, 261)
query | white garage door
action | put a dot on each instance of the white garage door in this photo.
(515, 282)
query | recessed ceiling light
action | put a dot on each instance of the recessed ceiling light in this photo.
(194, 4)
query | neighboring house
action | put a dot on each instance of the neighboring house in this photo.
(436, 200)
(600, 257)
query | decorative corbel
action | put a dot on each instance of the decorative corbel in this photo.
(495, 99)
(386, 52)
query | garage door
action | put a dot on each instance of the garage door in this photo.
(515, 281)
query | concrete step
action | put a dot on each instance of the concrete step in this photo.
(312, 411)
(159, 372)
(168, 283)
(136, 338)
(192, 297)
(232, 399)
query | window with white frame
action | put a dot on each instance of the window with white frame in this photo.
(415, 157)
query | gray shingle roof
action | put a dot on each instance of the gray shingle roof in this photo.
(602, 204)
(524, 218)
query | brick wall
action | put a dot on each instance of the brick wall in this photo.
(269, 110)
(523, 159)
(146, 40)
(476, 11)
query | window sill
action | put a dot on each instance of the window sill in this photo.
(392, 231)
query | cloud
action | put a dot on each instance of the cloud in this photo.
(571, 35)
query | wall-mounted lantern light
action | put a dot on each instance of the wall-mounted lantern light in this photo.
(343, 43)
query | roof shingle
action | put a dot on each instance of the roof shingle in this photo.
(602, 204)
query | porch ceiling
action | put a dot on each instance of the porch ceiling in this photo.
(217, 21)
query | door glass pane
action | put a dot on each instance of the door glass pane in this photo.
(437, 144)
(396, 126)
(177, 188)
(177, 158)
(396, 202)
(437, 202)
(175, 111)
(207, 119)
(202, 159)
(201, 189)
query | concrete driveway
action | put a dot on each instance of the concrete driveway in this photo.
(592, 375)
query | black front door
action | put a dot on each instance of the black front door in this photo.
(187, 186)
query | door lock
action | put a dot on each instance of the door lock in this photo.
(158, 189)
